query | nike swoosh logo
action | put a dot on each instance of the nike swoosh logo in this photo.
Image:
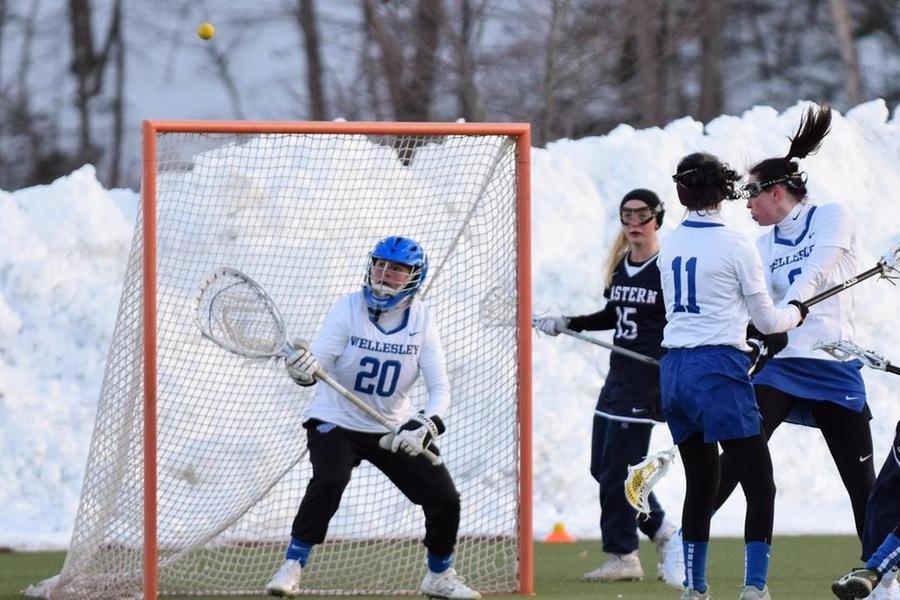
(851, 397)
(638, 410)
(865, 458)
(412, 333)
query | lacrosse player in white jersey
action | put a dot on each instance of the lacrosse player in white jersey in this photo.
(809, 249)
(713, 283)
(375, 342)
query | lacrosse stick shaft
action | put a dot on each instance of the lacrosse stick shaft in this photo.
(323, 376)
(611, 347)
(876, 270)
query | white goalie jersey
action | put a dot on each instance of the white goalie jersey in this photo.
(813, 249)
(379, 366)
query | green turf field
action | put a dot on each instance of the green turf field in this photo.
(802, 568)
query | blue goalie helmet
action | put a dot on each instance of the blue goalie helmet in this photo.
(385, 290)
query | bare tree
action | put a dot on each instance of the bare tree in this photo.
(410, 91)
(646, 19)
(711, 16)
(548, 114)
(471, 19)
(306, 15)
(843, 27)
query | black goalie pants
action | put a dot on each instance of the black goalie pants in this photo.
(334, 453)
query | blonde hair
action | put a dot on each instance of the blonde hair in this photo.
(617, 252)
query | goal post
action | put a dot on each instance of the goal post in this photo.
(197, 463)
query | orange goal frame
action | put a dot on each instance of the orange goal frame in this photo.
(522, 133)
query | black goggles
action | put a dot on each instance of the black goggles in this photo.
(755, 188)
(690, 178)
(638, 216)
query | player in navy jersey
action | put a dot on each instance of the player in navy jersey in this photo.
(713, 283)
(881, 537)
(629, 403)
(810, 248)
(376, 342)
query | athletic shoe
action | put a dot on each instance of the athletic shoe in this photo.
(751, 592)
(673, 562)
(448, 585)
(695, 595)
(286, 582)
(888, 589)
(619, 567)
(661, 540)
(858, 583)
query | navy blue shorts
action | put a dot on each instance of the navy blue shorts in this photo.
(707, 390)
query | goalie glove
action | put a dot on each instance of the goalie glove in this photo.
(415, 435)
(301, 365)
(551, 325)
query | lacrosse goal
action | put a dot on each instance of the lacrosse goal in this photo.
(197, 462)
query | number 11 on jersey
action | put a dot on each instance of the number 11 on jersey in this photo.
(690, 268)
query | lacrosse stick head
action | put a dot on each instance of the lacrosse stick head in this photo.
(643, 476)
(842, 350)
(236, 313)
(889, 264)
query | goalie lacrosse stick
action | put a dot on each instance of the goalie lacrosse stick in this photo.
(644, 475)
(843, 350)
(886, 268)
(238, 315)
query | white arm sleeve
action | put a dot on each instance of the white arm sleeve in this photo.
(763, 313)
(816, 269)
(332, 338)
(433, 365)
(769, 319)
(833, 236)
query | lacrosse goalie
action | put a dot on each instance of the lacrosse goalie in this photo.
(375, 342)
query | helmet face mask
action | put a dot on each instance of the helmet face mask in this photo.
(396, 271)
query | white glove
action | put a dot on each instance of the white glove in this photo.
(552, 325)
(415, 435)
(301, 365)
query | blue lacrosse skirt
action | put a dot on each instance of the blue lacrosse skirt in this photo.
(707, 390)
(813, 380)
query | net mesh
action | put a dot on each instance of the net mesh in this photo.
(299, 213)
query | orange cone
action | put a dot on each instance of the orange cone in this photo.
(559, 535)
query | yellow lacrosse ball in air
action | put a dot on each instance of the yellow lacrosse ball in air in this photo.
(205, 30)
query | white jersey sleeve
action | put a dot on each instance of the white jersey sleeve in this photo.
(379, 366)
(434, 368)
(821, 254)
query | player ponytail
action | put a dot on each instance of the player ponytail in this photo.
(617, 252)
(814, 126)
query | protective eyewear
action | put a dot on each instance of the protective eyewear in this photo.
(637, 216)
(755, 188)
(690, 178)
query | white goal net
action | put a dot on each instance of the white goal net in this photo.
(299, 212)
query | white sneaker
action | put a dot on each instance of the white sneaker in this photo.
(673, 562)
(286, 582)
(447, 585)
(619, 567)
(661, 540)
(751, 592)
(695, 595)
(888, 589)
